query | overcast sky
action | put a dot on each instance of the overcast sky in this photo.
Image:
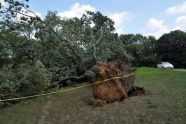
(147, 17)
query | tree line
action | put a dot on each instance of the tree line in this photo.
(35, 52)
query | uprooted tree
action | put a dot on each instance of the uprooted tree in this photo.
(75, 49)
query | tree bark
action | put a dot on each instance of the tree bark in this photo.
(89, 76)
(94, 45)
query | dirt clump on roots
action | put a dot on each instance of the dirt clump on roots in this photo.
(115, 89)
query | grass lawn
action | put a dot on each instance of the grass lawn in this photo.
(164, 103)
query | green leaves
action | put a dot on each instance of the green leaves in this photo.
(141, 48)
(33, 79)
(172, 47)
(24, 80)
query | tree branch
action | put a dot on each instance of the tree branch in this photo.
(78, 59)
(101, 35)
(94, 55)
(89, 75)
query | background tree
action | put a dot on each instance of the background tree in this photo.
(140, 48)
(171, 47)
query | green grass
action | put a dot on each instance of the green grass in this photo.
(164, 103)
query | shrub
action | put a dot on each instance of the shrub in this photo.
(33, 79)
(8, 81)
(23, 81)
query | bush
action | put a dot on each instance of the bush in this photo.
(8, 85)
(33, 79)
(8, 81)
(23, 81)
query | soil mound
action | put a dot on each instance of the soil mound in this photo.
(114, 89)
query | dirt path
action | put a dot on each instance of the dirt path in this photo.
(45, 111)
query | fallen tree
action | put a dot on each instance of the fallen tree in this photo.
(79, 38)
(108, 91)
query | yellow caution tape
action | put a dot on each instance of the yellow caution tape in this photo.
(60, 91)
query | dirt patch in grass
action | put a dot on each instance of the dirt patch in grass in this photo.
(136, 91)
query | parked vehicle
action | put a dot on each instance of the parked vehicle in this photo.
(165, 65)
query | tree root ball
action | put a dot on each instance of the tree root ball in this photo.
(114, 89)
